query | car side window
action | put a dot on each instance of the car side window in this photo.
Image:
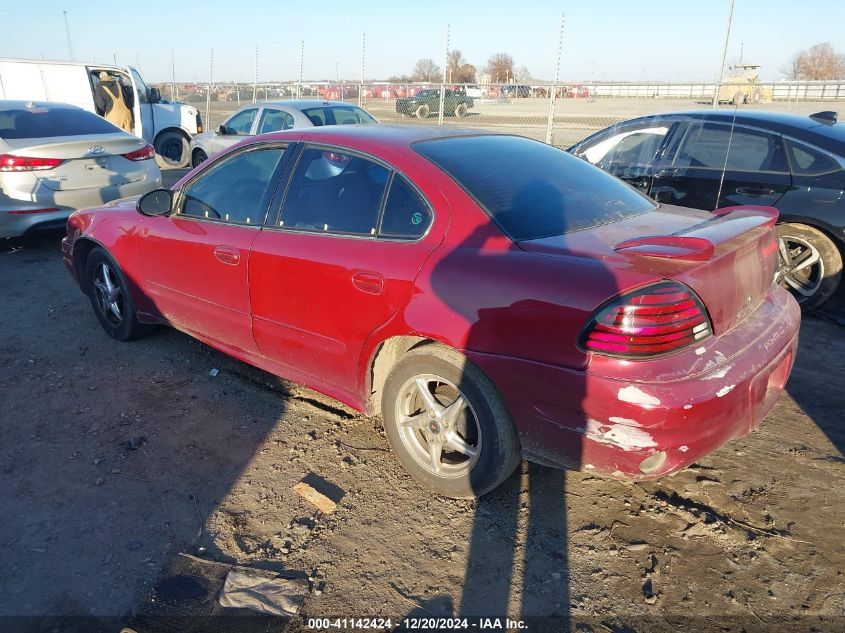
(406, 215)
(334, 192)
(241, 123)
(627, 147)
(232, 190)
(706, 145)
(808, 161)
(274, 121)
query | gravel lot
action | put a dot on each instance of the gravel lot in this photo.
(115, 458)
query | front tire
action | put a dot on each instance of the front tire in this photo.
(447, 423)
(422, 111)
(173, 150)
(111, 299)
(198, 157)
(461, 110)
(809, 264)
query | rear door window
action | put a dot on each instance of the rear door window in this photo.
(274, 121)
(334, 192)
(45, 121)
(530, 189)
(708, 145)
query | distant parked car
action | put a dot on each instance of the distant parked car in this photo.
(274, 116)
(489, 295)
(427, 102)
(471, 90)
(791, 162)
(56, 158)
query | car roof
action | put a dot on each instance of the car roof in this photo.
(802, 127)
(300, 104)
(392, 136)
(17, 104)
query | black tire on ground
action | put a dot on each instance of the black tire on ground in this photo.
(810, 264)
(461, 110)
(121, 321)
(197, 157)
(173, 150)
(486, 418)
(422, 111)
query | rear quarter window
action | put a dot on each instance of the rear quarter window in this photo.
(42, 121)
(533, 190)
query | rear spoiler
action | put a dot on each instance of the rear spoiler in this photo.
(698, 242)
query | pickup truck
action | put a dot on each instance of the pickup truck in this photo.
(427, 102)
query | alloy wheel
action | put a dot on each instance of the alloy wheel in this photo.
(800, 267)
(109, 294)
(438, 426)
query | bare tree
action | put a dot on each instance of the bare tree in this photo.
(522, 74)
(458, 70)
(427, 70)
(820, 62)
(500, 67)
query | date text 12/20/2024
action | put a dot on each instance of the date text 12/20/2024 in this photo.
(416, 624)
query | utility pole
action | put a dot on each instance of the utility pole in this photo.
(724, 55)
(172, 76)
(301, 60)
(553, 92)
(255, 79)
(69, 44)
(443, 85)
(361, 87)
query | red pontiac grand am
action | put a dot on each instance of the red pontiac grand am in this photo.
(490, 296)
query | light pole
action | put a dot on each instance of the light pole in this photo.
(724, 55)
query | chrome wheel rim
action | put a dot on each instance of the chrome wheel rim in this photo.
(800, 267)
(109, 294)
(438, 426)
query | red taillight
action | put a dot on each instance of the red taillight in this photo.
(27, 163)
(646, 322)
(145, 153)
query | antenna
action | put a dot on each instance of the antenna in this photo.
(69, 43)
(724, 54)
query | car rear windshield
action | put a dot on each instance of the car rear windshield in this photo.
(41, 121)
(337, 115)
(533, 190)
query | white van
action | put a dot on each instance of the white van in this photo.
(168, 126)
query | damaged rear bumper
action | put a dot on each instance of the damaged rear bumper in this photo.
(646, 419)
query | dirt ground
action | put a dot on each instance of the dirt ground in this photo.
(115, 458)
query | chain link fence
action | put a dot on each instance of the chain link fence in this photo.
(526, 109)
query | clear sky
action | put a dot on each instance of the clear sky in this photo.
(668, 40)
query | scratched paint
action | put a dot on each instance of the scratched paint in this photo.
(724, 391)
(628, 438)
(635, 395)
(626, 421)
(719, 374)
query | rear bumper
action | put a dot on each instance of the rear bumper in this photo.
(609, 425)
(20, 211)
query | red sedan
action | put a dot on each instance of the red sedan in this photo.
(490, 296)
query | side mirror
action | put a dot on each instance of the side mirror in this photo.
(158, 202)
(155, 95)
(222, 129)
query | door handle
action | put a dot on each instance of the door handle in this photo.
(370, 282)
(227, 254)
(755, 191)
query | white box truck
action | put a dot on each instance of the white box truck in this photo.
(168, 126)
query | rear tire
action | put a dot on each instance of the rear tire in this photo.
(461, 110)
(809, 264)
(422, 111)
(173, 150)
(464, 444)
(111, 299)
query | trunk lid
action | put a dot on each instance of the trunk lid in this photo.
(732, 277)
(89, 162)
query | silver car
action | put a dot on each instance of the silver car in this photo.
(274, 116)
(57, 158)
